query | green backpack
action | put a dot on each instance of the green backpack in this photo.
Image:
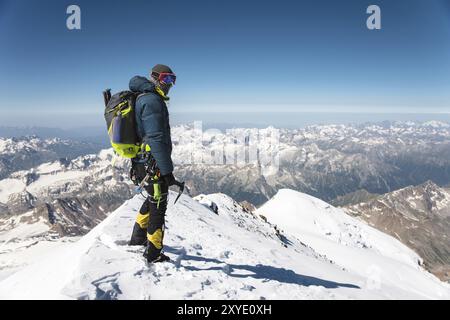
(121, 122)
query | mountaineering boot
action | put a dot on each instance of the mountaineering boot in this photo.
(161, 258)
(153, 256)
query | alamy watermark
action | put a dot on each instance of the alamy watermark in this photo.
(374, 20)
(73, 21)
(235, 147)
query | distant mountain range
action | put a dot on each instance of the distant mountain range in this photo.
(67, 187)
(93, 134)
(69, 196)
(327, 161)
(26, 152)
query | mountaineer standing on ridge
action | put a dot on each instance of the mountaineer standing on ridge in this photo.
(137, 121)
(153, 129)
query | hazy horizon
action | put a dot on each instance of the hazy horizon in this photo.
(290, 120)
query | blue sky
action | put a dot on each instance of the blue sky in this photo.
(228, 55)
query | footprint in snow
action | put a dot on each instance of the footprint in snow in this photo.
(225, 254)
(248, 287)
(121, 242)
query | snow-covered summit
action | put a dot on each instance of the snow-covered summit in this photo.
(349, 242)
(233, 254)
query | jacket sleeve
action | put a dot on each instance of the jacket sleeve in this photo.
(153, 124)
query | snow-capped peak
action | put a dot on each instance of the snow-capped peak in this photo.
(350, 243)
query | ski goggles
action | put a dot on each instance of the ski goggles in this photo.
(167, 78)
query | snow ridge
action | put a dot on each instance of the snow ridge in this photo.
(231, 254)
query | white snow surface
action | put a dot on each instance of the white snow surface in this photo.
(231, 255)
(16, 255)
(351, 243)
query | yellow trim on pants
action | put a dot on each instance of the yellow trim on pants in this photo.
(156, 238)
(142, 220)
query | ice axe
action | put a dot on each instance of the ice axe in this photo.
(147, 178)
(180, 185)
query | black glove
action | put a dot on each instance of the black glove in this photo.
(169, 179)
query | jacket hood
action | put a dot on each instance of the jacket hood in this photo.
(141, 84)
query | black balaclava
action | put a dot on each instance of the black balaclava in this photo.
(161, 68)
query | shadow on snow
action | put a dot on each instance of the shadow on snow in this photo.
(264, 272)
